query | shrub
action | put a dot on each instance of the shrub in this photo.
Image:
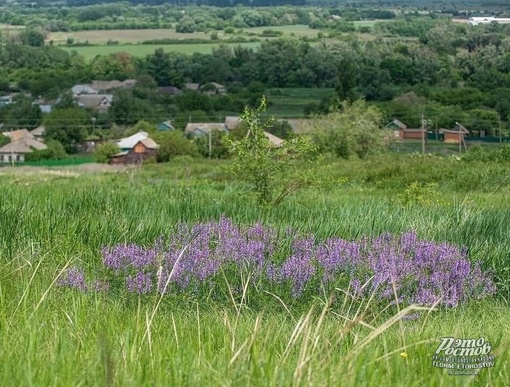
(104, 151)
(218, 145)
(174, 144)
(55, 151)
(353, 130)
(272, 172)
(485, 154)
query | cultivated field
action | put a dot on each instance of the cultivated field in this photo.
(233, 328)
(90, 52)
(137, 36)
(121, 36)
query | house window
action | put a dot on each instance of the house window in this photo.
(10, 158)
(18, 158)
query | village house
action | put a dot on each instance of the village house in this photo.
(203, 128)
(22, 143)
(104, 87)
(96, 102)
(38, 133)
(212, 88)
(165, 126)
(6, 100)
(192, 86)
(135, 149)
(231, 123)
(170, 90)
(83, 89)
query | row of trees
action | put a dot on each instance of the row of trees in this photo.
(210, 15)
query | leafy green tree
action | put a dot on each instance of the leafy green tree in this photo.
(22, 114)
(104, 151)
(272, 172)
(173, 144)
(32, 38)
(126, 109)
(346, 79)
(68, 126)
(352, 130)
(55, 151)
(218, 145)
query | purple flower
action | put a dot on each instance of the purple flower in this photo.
(396, 268)
(140, 283)
(73, 278)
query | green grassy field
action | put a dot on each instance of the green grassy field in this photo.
(56, 336)
(138, 36)
(90, 52)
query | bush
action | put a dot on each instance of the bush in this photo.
(104, 151)
(219, 147)
(55, 151)
(352, 131)
(273, 172)
(173, 144)
(480, 153)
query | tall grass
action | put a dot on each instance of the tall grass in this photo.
(53, 336)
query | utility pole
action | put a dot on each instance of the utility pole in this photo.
(460, 140)
(422, 135)
(210, 144)
(500, 137)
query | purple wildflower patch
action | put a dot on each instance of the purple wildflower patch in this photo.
(401, 267)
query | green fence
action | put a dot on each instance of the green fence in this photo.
(491, 139)
(435, 136)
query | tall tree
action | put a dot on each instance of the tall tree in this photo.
(67, 126)
(346, 79)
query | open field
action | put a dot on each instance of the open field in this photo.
(90, 52)
(122, 36)
(240, 333)
(138, 36)
(297, 30)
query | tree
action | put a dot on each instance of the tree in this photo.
(346, 79)
(104, 151)
(218, 145)
(272, 172)
(68, 126)
(55, 151)
(32, 38)
(173, 144)
(22, 114)
(352, 130)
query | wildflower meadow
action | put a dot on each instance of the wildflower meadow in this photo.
(173, 275)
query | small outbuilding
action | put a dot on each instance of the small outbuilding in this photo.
(135, 149)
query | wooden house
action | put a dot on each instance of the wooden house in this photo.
(135, 149)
